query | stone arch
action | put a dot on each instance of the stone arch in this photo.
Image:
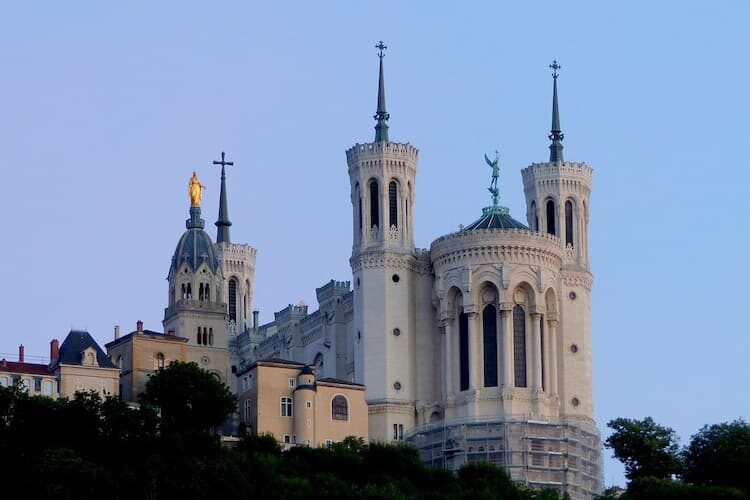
(435, 416)
(488, 302)
(550, 301)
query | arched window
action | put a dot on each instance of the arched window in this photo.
(519, 346)
(120, 362)
(568, 223)
(205, 336)
(158, 361)
(198, 337)
(374, 204)
(393, 204)
(210, 336)
(318, 364)
(551, 217)
(489, 334)
(463, 350)
(287, 409)
(233, 300)
(189, 294)
(200, 291)
(184, 291)
(534, 217)
(339, 408)
(207, 292)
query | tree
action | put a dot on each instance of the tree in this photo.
(719, 455)
(191, 400)
(644, 447)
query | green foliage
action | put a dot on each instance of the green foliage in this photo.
(719, 455)
(190, 399)
(650, 488)
(644, 447)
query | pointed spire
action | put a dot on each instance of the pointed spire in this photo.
(222, 225)
(556, 148)
(381, 116)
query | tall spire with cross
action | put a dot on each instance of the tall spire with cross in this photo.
(381, 116)
(556, 135)
(222, 225)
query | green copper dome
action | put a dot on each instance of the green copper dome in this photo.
(495, 217)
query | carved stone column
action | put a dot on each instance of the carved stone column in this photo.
(475, 356)
(552, 336)
(536, 352)
(448, 333)
(506, 322)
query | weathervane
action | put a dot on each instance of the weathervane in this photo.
(381, 48)
(494, 165)
(555, 67)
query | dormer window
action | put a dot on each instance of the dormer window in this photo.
(88, 358)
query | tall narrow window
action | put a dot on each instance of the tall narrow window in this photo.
(374, 204)
(489, 334)
(200, 292)
(360, 215)
(569, 223)
(205, 336)
(184, 291)
(541, 349)
(519, 346)
(210, 336)
(233, 300)
(534, 217)
(393, 204)
(463, 350)
(207, 292)
(551, 217)
(198, 337)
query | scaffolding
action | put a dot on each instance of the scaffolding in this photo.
(565, 456)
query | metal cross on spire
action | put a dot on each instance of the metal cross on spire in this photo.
(555, 67)
(381, 49)
(222, 225)
(223, 162)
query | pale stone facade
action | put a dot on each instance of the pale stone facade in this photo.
(478, 348)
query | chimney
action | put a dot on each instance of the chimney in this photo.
(117, 332)
(54, 350)
(139, 326)
(255, 319)
(20, 353)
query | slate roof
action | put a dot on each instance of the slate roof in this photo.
(24, 368)
(145, 332)
(75, 343)
(332, 380)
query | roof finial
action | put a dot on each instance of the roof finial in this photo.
(494, 165)
(556, 148)
(222, 225)
(381, 116)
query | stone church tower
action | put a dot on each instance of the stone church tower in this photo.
(385, 269)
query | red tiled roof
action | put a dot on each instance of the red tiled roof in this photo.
(24, 368)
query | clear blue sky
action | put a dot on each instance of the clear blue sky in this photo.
(106, 109)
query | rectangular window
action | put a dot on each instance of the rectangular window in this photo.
(47, 387)
(395, 432)
(286, 407)
(4, 382)
(329, 443)
(287, 439)
(309, 404)
(37, 384)
(291, 383)
(463, 350)
(400, 432)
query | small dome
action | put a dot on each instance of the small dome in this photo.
(195, 246)
(307, 370)
(495, 217)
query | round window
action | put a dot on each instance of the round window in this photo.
(395, 278)
(397, 385)
(573, 348)
(575, 402)
(205, 360)
(396, 332)
(572, 295)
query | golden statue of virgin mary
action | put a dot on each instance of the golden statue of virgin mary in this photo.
(195, 191)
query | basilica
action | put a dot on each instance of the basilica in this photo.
(477, 348)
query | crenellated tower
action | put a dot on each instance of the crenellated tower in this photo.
(385, 271)
(237, 262)
(557, 199)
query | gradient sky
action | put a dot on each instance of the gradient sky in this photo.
(105, 110)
